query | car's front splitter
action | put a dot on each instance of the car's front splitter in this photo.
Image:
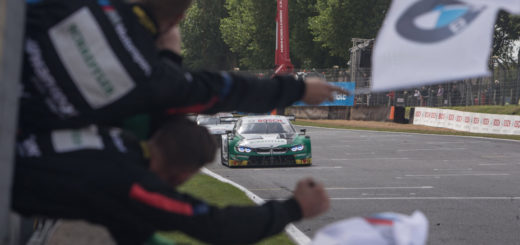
(266, 162)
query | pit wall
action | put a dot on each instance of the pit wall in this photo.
(315, 112)
(467, 121)
(360, 113)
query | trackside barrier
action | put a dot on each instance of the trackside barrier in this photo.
(467, 121)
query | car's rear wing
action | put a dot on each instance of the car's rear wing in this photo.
(228, 119)
(192, 117)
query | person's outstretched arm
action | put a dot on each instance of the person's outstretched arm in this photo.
(94, 62)
(230, 92)
(166, 209)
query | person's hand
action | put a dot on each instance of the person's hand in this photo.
(317, 90)
(170, 40)
(312, 197)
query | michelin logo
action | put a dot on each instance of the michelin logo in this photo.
(432, 21)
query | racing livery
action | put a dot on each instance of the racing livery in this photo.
(265, 141)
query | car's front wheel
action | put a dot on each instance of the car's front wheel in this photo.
(224, 153)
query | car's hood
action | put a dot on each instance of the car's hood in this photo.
(219, 128)
(265, 140)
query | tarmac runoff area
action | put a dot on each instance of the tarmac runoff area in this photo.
(469, 188)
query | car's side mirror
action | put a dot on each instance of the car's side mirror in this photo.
(303, 131)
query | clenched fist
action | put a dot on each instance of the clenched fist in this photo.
(312, 197)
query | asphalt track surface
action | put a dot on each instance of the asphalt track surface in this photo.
(469, 188)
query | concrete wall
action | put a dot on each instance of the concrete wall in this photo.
(362, 113)
(359, 113)
(308, 112)
(319, 112)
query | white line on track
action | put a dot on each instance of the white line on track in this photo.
(332, 146)
(443, 143)
(378, 194)
(513, 198)
(351, 154)
(493, 164)
(452, 169)
(380, 188)
(425, 198)
(278, 169)
(432, 149)
(441, 175)
(359, 153)
(353, 188)
(361, 159)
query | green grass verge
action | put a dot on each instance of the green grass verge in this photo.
(497, 136)
(219, 194)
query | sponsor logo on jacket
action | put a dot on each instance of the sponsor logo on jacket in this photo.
(46, 84)
(90, 60)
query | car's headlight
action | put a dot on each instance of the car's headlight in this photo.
(244, 149)
(297, 148)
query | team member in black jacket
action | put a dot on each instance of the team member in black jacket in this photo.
(103, 60)
(107, 177)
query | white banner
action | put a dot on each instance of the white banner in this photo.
(431, 41)
(467, 121)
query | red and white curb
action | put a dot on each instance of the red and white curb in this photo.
(294, 233)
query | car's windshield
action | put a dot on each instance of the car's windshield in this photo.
(265, 128)
(208, 120)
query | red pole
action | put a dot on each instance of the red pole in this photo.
(282, 56)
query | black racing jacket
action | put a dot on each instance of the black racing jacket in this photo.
(95, 62)
(101, 175)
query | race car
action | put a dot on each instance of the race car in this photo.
(217, 124)
(265, 141)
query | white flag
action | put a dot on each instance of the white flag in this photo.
(431, 41)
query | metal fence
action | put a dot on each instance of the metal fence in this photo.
(501, 88)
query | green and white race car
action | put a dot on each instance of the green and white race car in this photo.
(265, 141)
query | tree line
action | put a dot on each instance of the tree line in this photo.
(223, 34)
